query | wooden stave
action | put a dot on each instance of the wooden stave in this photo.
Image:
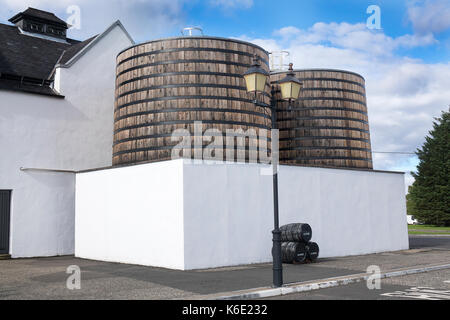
(163, 155)
(354, 128)
(235, 109)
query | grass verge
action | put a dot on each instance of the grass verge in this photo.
(428, 229)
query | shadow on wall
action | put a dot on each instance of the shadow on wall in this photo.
(34, 106)
(51, 180)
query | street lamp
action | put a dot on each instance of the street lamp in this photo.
(290, 85)
(256, 77)
(255, 80)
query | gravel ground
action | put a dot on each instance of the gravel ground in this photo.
(45, 278)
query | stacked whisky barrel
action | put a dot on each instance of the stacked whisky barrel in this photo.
(328, 125)
(296, 246)
(169, 84)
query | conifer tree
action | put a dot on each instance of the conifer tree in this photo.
(430, 193)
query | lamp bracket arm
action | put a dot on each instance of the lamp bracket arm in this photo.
(261, 104)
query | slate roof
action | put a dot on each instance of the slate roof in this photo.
(33, 57)
(28, 56)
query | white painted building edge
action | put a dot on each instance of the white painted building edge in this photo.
(131, 215)
(42, 219)
(226, 213)
(99, 37)
(73, 133)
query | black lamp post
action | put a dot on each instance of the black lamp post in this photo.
(256, 79)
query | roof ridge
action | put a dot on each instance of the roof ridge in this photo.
(40, 14)
(40, 10)
(93, 41)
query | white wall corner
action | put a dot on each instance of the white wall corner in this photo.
(131, 215)
(57, 80)
(117, 24)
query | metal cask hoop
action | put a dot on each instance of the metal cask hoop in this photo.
(328, 125)
(170, 135)
(304, 109)
(141, 113)
(336, 81)
(323, 138)
(181, 61)
(335, 89)
(177, 74)
(183, 85)
(196, 49)
(170, 84)
(330, 99)
(163, 123)
(194, 97)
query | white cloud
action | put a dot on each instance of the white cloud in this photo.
(416, 40)
(137, 15)
(403, 94)
(352, 36)
(429, 15)
(287, 32)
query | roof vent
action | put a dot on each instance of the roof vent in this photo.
(192, 31)
(36, 21)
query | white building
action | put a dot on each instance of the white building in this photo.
(56, 125)
(56, 112)
(180, 215)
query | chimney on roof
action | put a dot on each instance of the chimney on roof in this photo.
(40, 22)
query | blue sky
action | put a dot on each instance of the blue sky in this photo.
(232, 18)
(406, 63)
(264, 16)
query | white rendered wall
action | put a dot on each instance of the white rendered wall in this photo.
(132, 215)
(226, 214)
(46, 132)
(89, 86)
(351, 212)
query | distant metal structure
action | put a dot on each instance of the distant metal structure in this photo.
(188, 31)
(280, 60)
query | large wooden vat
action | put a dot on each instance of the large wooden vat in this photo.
(328, 125)
(169, 84)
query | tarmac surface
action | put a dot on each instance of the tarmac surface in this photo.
(424, 286)
(46, 278)
(429, 241)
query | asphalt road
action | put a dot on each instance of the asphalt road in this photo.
(46, 278)
(425, 241)
(424, 286)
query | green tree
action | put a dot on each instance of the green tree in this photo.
(429, 195)
(410, 206)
